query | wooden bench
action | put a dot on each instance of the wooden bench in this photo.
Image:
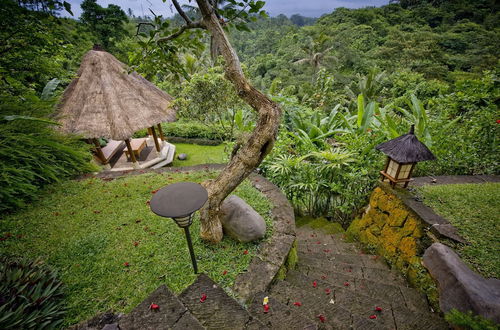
(110, 149)
(137, 146)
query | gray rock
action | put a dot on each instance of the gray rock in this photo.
(241, 221)
(112, 326)
(170, 312)
(182, 157)
(459, 287)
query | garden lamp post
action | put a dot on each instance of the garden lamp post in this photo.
(179, 201)
(403, 153)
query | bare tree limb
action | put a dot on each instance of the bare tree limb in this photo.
(194, 25)
(141, 24)
(181, 12)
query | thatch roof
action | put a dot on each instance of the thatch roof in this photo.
(406, 149)
(106, 101)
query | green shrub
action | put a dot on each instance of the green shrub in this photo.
(469, 321)
(30, 295)
(465, 131)
(32, 153)
(194, 129)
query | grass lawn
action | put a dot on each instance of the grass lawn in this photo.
(474, 209)
(198, 154)
(87, 230)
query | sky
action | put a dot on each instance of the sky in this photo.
(309, 8)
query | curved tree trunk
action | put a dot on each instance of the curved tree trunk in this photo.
(253, 151)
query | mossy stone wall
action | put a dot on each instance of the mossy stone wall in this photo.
(390, 229)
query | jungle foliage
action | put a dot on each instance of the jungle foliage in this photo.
(37, 49)
(346, 81)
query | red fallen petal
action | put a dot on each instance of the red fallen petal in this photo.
(326, 251)
(323, 277)
(126, 264)
(328, 291)
(224, 272)
(315, 284)
(349, 270)
(136, 243)
(266, 308)
(155, 191)
(322, 318)
(378, 309)
(203, 297)
(318, 242)
(346, 283)
(154, 306)
(297, 303)
(373, 317)
(245, 252)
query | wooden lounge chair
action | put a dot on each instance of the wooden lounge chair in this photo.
(110, 150)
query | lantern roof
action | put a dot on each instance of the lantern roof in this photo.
(406, 149)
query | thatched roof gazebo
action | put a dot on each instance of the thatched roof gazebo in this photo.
(105, 101)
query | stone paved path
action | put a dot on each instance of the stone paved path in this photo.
(335, 286)
(339, 287)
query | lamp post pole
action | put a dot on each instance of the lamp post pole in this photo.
(179, 201)
(191, 250)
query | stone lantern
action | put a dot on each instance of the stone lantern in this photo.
(403, 153)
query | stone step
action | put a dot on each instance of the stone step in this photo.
(369, 281)
(359, 308)
(384, 296)
(319, 247)
(279, 316)
(218, 311)
(360, 304)
(360, 259)
(306, 231)
(171, 313)
(315, 303)
(348, 271)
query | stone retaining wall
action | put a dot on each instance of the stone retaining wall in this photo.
(394, 231)
(398, 226)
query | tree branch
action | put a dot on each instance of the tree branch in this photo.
(194, 25)
(143, 23)
(181, 12)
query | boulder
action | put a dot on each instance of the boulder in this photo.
(182, 156)
(240, 221)
(459, 287)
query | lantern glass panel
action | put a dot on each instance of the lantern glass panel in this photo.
(404, 173)
(392, 168)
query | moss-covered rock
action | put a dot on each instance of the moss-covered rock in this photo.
(395, 232)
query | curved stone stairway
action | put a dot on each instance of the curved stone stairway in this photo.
(335, 286)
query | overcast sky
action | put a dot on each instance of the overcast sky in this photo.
(310, 8)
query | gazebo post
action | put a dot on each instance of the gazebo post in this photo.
(100, 154)
(155, 138)
(135, 164)
(160, 130)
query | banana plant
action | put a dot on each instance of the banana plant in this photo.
(365, 113)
